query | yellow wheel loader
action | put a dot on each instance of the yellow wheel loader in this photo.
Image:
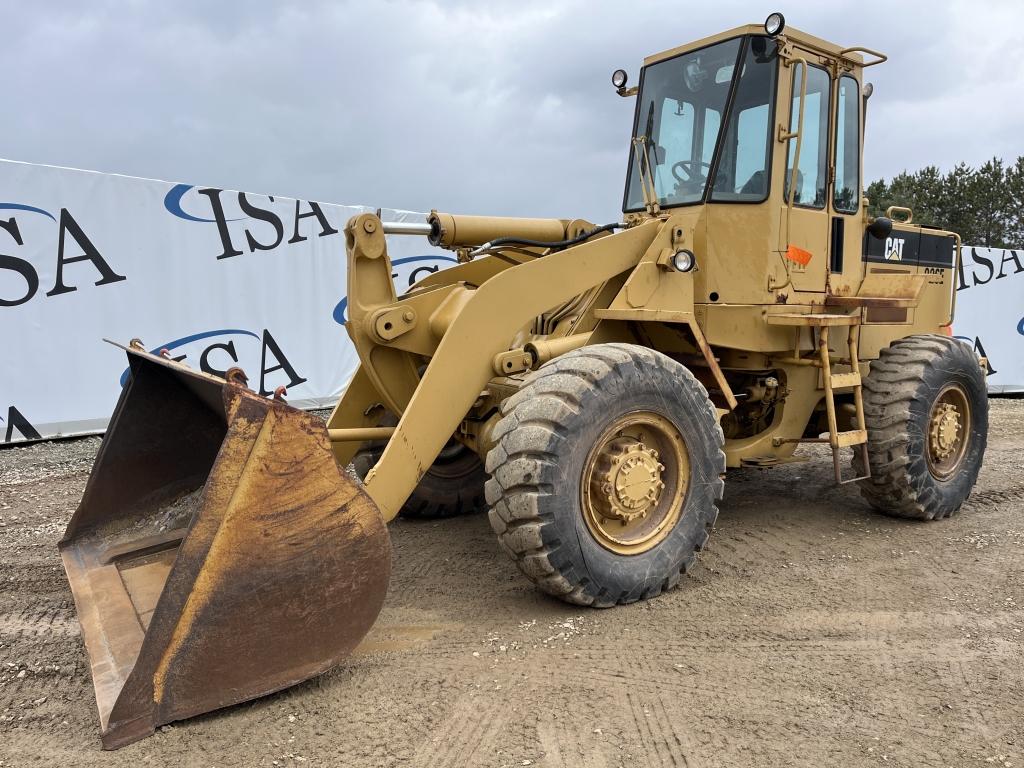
(598, 381)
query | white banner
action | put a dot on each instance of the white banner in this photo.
(222, 278)
(218, 278)
(990, 312)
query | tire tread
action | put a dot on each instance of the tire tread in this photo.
(566, 384)
(889, 391)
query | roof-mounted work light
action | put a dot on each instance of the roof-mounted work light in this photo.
(774, 24)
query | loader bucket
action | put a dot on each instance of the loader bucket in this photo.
(219, 552)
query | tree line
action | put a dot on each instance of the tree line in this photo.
(984, 205)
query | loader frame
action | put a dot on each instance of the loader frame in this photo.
(751, 319)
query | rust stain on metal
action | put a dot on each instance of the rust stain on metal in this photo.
(274, 575)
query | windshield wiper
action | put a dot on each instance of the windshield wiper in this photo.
(642, 146)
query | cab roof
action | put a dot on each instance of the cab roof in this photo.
(796, 36)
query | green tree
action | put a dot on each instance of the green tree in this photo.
(985, 206)
(877, 194)
(1015, 197)
(958, 207)
(991, 204)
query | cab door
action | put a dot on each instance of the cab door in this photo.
(846, 269)
(804, 229)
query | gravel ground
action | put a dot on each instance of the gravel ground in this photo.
(813, 632)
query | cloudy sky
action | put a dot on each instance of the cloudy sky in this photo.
(473, 107)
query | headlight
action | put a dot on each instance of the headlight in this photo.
(774, 24)
(683, 260)
(619, 78)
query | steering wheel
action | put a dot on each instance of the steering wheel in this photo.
(692, 169)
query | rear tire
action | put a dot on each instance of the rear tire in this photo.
(453, 486)
(612, 428)
(926, 409)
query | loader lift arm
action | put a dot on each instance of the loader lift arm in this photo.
(462, 327)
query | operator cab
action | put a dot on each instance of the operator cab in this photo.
(755, 136)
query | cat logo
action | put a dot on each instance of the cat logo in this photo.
(894, 248)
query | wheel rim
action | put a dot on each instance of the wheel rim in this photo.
(634, 482)
(949, 429)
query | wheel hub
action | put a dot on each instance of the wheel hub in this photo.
(949, 432)
(626, 483)
(634, 482)
(945, 430)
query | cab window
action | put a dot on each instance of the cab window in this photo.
(744, 164)
(685, 136)
(811, 173)
(846, 189)
(677, 123)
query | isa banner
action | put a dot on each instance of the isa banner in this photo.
(217, 277)
(990, 312)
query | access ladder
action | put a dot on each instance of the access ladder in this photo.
(849, 380)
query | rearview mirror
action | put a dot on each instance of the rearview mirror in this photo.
(880, 228)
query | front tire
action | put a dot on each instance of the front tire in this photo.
(926, 409)
(606, 474)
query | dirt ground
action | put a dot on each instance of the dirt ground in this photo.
(813, 632)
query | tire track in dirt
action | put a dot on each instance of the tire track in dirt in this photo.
(783, 703)
(572, 743)
(468, 734)
(41, 622)
(877, 637)
(995, 497)
(657, 732)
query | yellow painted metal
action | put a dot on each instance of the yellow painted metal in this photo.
(858, 49)
(359, 406)
(844, 380)
(513, 361)
(906, 215)
(360, 434)
(858, 436)
(826, 375)
(853, 344)
(850, 57)
(744, 301)
(851, 437)
(787, 136)
(543, 350)
(476, 230)
(811, 319)
(892, 286)
(462, 364)
(633, 483)
(949, 431)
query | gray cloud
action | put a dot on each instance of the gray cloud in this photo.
(497, 107)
